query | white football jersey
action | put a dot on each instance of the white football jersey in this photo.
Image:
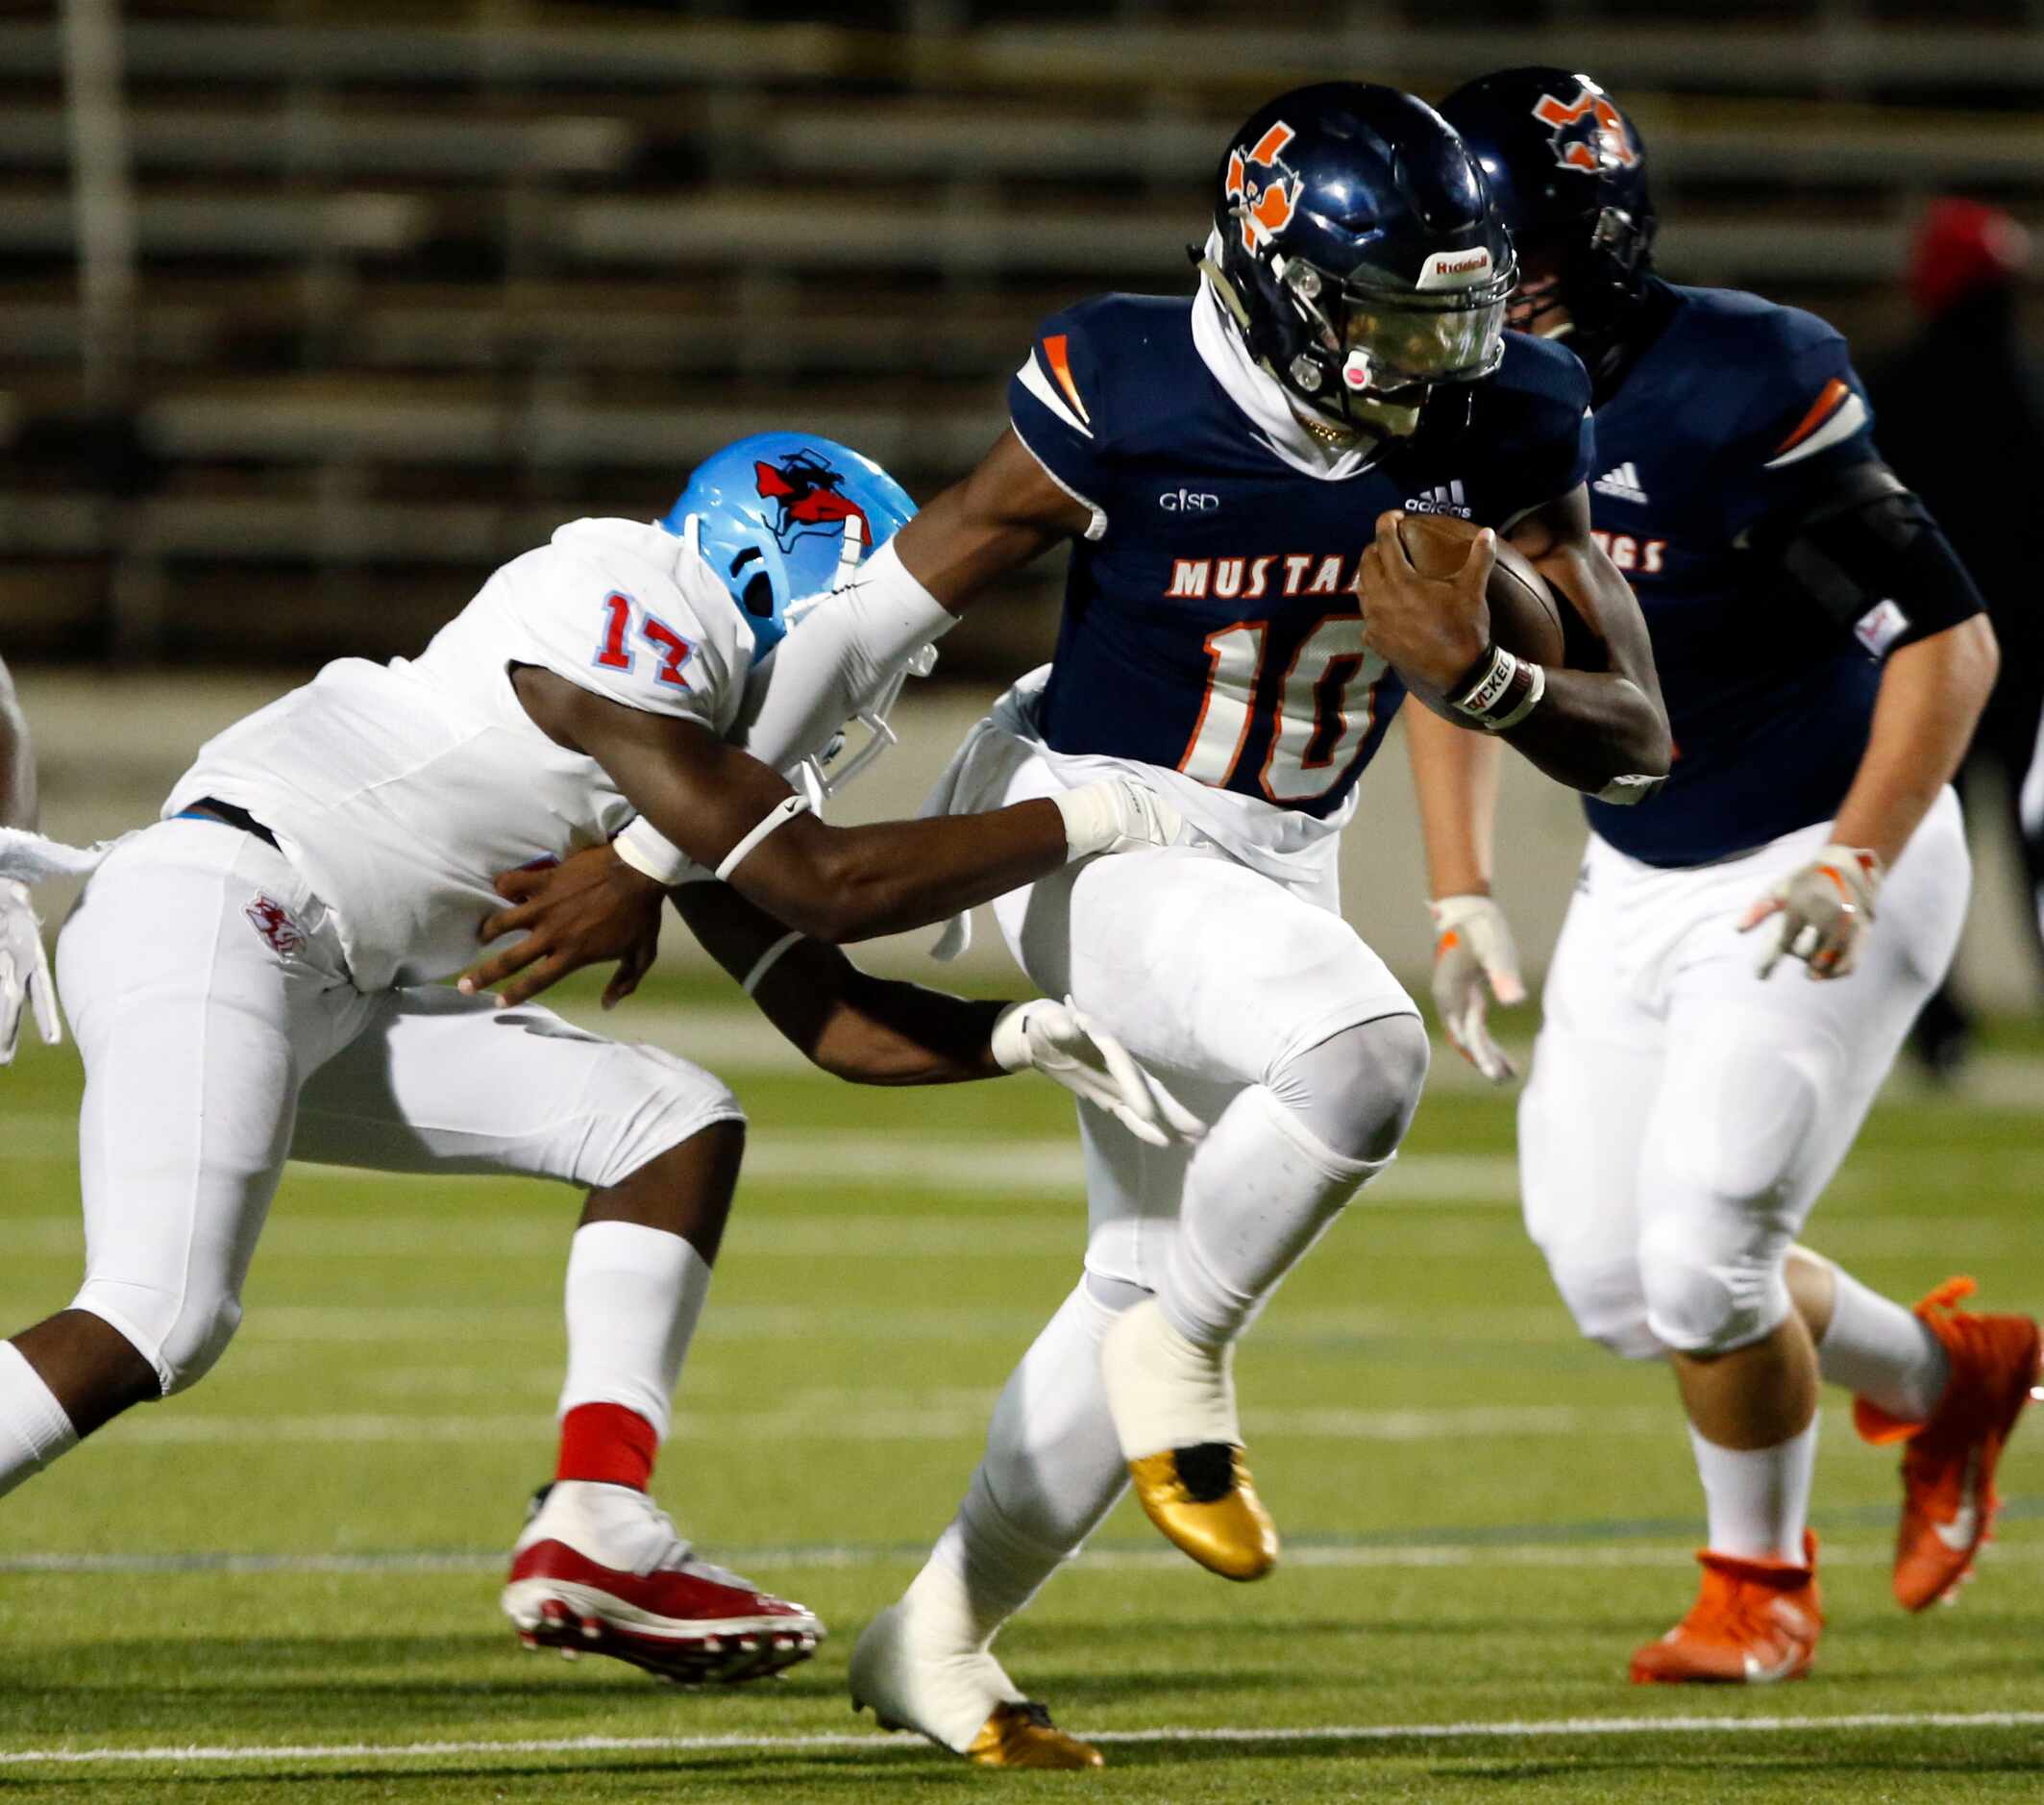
(401, 790)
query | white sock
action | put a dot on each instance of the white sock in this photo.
(1758, 1499)
(633, 1298)
(1880, 1351)
(1261, 1190)
(1051, 1471)
(34, 1429)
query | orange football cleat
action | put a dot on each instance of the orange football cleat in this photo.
(1754, 1621)
(1948, 1460)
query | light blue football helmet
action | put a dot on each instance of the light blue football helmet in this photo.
(784, 519)
(784, 515)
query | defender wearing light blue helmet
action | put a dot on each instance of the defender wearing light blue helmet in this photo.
(784, 515)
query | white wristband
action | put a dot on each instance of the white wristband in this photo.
(648, 851)
(779, 816)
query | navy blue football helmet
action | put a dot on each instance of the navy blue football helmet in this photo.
(1567, 171)
(1359, 254)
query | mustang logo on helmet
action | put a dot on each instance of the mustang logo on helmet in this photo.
(805, 493)
(1589, 133)
(1264, 203)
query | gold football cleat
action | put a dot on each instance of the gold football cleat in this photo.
(1022, 1736)
(1204, 1501)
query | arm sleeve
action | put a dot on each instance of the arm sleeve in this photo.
(1808, 493)
(1865, 552)
(837, 661)
(1055, 406)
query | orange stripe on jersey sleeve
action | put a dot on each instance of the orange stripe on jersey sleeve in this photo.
(1054, 354)
(1827, 403)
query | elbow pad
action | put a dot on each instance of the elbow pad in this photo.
(1874, 563)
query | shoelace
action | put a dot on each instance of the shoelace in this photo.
(1748, 1616)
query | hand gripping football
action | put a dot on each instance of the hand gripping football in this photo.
(1525, 618)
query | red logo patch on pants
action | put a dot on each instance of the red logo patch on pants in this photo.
(269, 917)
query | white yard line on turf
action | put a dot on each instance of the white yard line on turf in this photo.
(1417, 1557)
(1038, 1165)
(1508, 1730)
(886, 1416)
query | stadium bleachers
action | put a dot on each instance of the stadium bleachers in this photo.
(414, 284)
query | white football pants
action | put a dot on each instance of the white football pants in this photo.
(1266, 1013)
(1683, 1114)
(221, 1036)
(1215, 976)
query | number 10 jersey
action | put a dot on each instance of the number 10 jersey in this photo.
(1211, 625)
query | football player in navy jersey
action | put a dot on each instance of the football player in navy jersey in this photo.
(1228, 468)
(1825, 659)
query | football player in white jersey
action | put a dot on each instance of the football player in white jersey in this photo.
(24, 965)
(257, 977)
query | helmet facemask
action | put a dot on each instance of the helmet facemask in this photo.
(1374, 349)
(1584, 286)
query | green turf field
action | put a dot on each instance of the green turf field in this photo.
(290, 1572)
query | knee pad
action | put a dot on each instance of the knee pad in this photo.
(1608, 1304)
(1713, 1287)
(1718, 1188)
(653, 1100)
(1357, 1089)
(182, 1337)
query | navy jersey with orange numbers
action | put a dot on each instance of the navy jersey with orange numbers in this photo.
(1736, 414)
(1210, 624)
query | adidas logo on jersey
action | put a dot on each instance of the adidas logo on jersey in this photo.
(1447, 499)
(1622, 482)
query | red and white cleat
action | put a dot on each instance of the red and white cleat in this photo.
(600, 1570)
(1752, 1622)
(1948, 1460)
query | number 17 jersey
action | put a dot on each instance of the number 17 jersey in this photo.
(1211, 625)
(401, 790)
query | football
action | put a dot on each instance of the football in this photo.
(1525, 618)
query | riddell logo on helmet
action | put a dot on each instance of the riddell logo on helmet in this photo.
(1264, 201)
(1455, 269)
(1589, 133)
(805, 493)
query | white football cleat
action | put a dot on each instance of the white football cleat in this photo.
(960, 1699)
(600, 1570)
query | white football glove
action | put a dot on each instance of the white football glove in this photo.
(1116, 815)
(1474, 961)
(24, 973)
(1825, 909)
(1055, 1039)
